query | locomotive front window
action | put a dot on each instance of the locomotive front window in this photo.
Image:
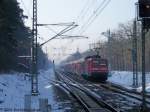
(98, 62)
(103, 62)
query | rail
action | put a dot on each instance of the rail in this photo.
(87, 98)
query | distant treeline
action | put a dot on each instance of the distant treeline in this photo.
(15, 38)
(119, 48)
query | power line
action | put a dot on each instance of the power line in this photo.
(94, 18)
(86, 10)
(83, 10)
(93, 13)
(61, 32)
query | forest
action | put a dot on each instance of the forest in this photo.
(15, 39)
(119, 48)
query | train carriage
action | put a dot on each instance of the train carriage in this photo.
(91, 67)
(96, 68)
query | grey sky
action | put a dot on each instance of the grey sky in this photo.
(56, 11)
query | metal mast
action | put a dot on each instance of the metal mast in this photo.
(134, 55)
(144, 17)
(143, 66)
(34, 78)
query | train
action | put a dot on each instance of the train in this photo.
(90, 67)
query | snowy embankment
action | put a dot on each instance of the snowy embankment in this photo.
(14, 86)
(125, 78)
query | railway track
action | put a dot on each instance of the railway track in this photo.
(124, 91)
(115, 96)
(90, 101)
(83, 97)
(116, 88)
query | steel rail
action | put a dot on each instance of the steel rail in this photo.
(94, 97)
(124, 94)
(123, 91)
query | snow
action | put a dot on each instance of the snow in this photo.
(45, 86)
(14, 87)
(125, 78)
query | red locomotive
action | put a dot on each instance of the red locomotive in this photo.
(91, 67)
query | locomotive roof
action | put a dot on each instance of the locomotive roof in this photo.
(83, 59)
(94, 56)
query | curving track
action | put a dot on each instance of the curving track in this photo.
(117, 97)
(89, 100)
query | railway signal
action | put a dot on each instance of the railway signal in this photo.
(144, 13)
(144, 8)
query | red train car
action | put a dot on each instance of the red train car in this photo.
(96, 67)
(91, 67)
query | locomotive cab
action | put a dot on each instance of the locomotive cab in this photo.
(91, 67)
(96, 68)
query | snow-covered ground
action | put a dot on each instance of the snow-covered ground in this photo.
(125, 79)
(14, 87)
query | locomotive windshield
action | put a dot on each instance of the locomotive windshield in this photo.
(98, 62)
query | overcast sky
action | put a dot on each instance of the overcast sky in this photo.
(79, 11)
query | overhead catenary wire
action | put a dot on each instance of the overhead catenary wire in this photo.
(71, 37)
(83, 10)
(91, 15)
(99, 7)
(68, 24)
(61, 32)
(97, 11)
(66, 36)
(88, 9)
(80, 17)
(95, 14)
(89, 4)
(93, 18)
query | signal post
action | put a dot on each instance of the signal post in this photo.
(144, 17)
